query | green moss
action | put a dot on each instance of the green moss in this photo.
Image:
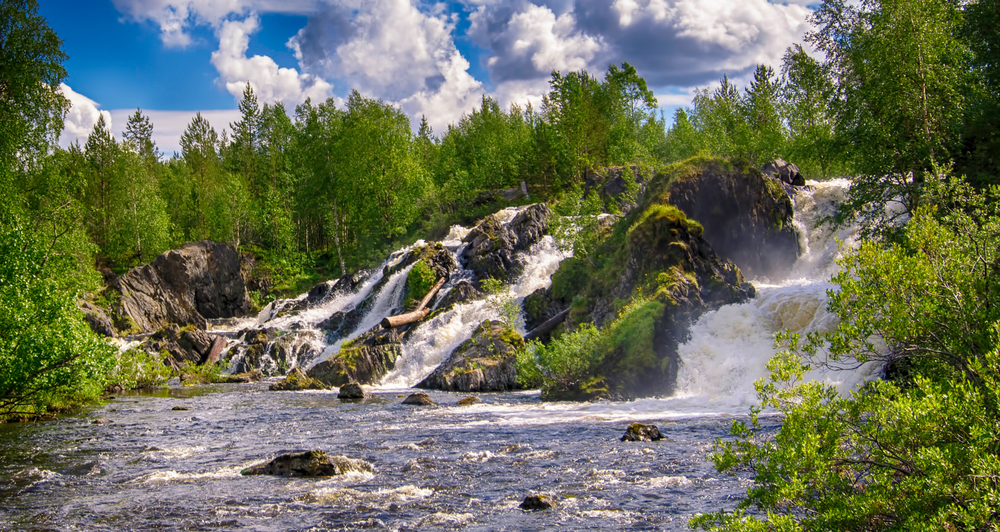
(419, 282)
(658, 212)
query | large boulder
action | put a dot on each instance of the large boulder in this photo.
(297, 380)
(364, 360)
(185, 345)
(309, 464)
(492, 245)
(747, 217)
(785, 171)
(183, 287)
(483, 363)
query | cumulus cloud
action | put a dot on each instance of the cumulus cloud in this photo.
(270, 82)
(176, 17)
(395, 50)
(81, 118)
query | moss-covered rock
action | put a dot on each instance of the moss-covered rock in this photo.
(484, 363)
(309, 464)
(297, 380)
(364, 360)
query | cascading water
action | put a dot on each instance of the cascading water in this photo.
(729, 347)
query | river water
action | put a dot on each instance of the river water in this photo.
(151, 467)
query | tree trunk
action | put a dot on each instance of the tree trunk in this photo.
(420, 313)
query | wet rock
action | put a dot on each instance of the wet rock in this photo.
(492, 245)
(785, 171)
(98, 320)
(180, 408)
(537, 502)
(473, 400)
(245, 377)
(297, 380)
(747, 217)
(463, 292)
(309, 464)
(101, 421)
(640, 432)
(539, 307)
(351, 390)
(419, 399)
(184, 287)
(364, 360)
(483, 363)
(185, 345)
(215, 350)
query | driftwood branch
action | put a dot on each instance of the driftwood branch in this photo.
(548, 326)
(420, 313)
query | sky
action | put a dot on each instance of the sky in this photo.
(172, 58)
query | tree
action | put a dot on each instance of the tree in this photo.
(140, 225)
(682, 141)
(31, 108)
(139, 135)
(900, 70)
(199, 145)
(807, 93)
(760, 107)
(101, 151)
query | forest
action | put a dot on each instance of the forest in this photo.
(902, 96)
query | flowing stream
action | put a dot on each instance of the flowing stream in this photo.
(171, 459)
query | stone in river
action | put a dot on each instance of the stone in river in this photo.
(640, 432)
(471, 400)
(308, 464)
(537, 502)
(419, 398)
(351, 390)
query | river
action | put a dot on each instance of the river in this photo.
(171, 459)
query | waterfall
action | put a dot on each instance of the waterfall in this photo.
(729, 347)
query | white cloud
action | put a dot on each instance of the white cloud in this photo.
(393, 49)
(176, 17)
(81, 118)
(270, 82)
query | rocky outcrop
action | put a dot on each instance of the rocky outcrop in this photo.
(184, 286)
(364, 360)
(640, 432)
(492, 244)
(747, 216)
(309, 464)
(185, 345)
(98, 320)
(785, 171)
(484, 363)
(297, 380)
(463, 292)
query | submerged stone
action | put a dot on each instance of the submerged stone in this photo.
(640, 432)
(351, 390)
(419, 399)
(473, 400)
(309, 464)
(537, 502)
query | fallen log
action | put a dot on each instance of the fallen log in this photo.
(548, 326)
(420, 313)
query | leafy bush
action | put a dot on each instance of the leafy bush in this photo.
(499, 298)
(419, 281)
(135, 369)
(203, 374)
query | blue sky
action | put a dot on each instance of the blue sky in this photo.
(175, 57)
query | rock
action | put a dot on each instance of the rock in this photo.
(101, 421)
(640, 432)
(351, 390)
(184, 287)
(419, 399)
(180, 408)
(309, 464)
(98, 320)
(483, 363)
(747, 218)
(215, 350)
(537, 502)
(785, 171)
(492, 245)
(364, 360)
(463, 292)
(185, 345)
(473, 400)
(539, 307)
(245, 377)
(297, 380)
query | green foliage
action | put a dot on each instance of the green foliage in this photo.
(502, 302)
(660, 211)
(916, 454)
(191, 373)
(571, 359)
(529, 375)
(419, 282)
(135, 369)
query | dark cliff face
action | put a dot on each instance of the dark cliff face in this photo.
(747, 217)
(183, 286)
